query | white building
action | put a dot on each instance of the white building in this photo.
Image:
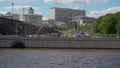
(32, 19)
(29, 18)
(65, 14)
(82, 20)
(72, 17)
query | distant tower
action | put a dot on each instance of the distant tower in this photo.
(31, 11)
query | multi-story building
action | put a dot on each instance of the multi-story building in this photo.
(82, 20)
(65, 14)
(31, 18)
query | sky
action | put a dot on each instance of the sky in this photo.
(94, 8)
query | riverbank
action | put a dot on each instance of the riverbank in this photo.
(27, 42)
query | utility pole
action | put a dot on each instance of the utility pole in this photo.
(16, 24)
(23, 21)
(12, 8)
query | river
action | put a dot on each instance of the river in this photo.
(59, 58)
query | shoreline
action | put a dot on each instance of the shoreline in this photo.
(60, 43)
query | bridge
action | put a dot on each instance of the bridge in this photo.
(16, 27)
(13, 27)
(10, 26)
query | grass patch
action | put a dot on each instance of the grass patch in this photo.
(105, 35)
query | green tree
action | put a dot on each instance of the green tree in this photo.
(117, 15)
(110, 24)
(95, 25)
(107, 24)
(118, 27)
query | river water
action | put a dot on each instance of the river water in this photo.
(59, 58)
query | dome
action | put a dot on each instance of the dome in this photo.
(30, 8)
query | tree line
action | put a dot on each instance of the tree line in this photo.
(107, 24)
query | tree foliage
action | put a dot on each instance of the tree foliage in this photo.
(108, 24)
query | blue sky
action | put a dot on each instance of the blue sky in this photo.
(94, 8)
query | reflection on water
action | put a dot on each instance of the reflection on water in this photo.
(59, 58)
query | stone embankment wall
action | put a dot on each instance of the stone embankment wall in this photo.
(60, 42)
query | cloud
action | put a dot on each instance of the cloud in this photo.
(75, 4)
(17, 7)
(20, 8)
(98, 13)
(17, 1)
(74, 1)
(3, 12)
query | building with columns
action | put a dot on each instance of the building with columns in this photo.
(71, 17)
(82, 20)
(31, 18)
(65, 14)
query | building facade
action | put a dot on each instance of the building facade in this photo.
(30, 10)
(72, 17)
(82, 20)
(31, 18)
(65, 14)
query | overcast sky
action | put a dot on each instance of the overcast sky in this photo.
(94, 8)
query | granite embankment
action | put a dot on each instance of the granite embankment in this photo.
(22, 42)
